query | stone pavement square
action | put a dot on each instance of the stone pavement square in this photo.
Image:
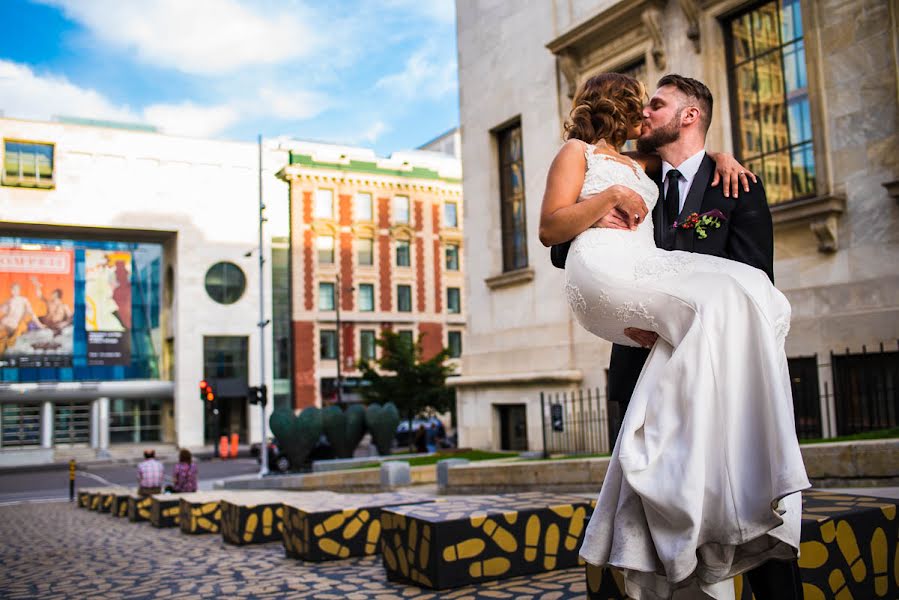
(55, 550)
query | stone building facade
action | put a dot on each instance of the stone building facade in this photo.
(377, 243)
(806, 95)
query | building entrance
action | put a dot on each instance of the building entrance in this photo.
(513, 427)
(225, 367)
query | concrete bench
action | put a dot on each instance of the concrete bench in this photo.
(462, 541)
(256, 517)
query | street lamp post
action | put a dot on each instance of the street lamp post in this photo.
(337, 289)
(263, 447)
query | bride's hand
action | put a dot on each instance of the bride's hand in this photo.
(612, 220)
(646, 339)
(732, 172)
(630, 204)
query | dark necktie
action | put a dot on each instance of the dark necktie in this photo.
(672, 196)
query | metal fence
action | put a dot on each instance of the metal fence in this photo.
(865, 390)
(576, 422)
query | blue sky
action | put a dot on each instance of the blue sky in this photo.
(374, 73)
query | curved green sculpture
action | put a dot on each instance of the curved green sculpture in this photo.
(382, 422)
(344, 429)
(297, 435)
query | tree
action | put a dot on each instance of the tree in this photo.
(417, 387)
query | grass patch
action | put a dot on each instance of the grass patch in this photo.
(472, 455)
(567, 457)
(880, 434)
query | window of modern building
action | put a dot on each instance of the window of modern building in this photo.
(367, 344)
(450, 214)
(325, 246)
(453, 300)
(365, 251)
(27, 164)
(404, 298)
(324, 204)
(327, 339)
(401, 209)
(403, 253)
(452, 257)
(225, 282)
(454, 343)
(512, 202)
(132, 421)
(281, 363)
(770, 98)
(20, 423)
(366, 297)
(406, 336)
(72, 422)
(326, 296)
(363, 207)
(225, 357)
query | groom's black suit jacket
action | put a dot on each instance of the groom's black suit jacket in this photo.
(746, 236)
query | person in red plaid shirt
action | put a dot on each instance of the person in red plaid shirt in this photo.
(150, 474)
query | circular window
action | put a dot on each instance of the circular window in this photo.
(225, 282)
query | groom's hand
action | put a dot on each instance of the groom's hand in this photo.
(645, 338)
(613, 220)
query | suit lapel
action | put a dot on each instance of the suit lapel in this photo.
(658, 217)
(693, 204)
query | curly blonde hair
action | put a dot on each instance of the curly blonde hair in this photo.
(605, 107)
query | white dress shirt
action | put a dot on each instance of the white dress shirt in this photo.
(687, 170)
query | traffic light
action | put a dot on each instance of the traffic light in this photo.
(257, 395)
(207, 392)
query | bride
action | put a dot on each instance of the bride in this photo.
(704, 478)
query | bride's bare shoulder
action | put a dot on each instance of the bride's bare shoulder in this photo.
(572, 151)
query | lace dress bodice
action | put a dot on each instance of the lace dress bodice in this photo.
(604, 171)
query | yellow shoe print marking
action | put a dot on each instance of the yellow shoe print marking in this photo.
(389, 556)
(551, 547)
(838, 586)
(510, 517)
(828, 532)
(492, 567)
(252, 524)
(401, 556)
(267, 518)
(372, 537)
(333, 548)
(889, 511)
(424, 550)
(879, 558)
(812, 555)
(849, 547)
(500, 535)
(355, 526)
(563, 510)
(465, 549)
(412, 539)
(811, 592)
(575, 527)
(329, 525)
(531, 538)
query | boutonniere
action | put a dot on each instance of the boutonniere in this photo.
(700, 223)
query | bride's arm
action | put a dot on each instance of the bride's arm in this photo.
(562, 217)
(727, 169)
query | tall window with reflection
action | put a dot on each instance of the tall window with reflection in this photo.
(512, 201)
(769, 98)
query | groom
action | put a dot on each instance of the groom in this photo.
(675, 123)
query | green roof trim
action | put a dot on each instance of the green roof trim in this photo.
(363, 166)
(102, 123)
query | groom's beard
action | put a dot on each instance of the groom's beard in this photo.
(667, 134)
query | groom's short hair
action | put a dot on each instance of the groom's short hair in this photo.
(694, 90)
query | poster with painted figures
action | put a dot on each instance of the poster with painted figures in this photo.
(37, 298)
(107, 307)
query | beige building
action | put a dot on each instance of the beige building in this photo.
(806, 95)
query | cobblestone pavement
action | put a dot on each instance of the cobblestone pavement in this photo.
(55, 550)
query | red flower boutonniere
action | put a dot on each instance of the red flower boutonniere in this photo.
(700, 223)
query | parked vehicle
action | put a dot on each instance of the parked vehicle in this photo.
(277, 461)
(433, 425)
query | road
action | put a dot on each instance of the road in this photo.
(54, 485)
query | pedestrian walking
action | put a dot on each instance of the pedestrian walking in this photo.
(150, 473)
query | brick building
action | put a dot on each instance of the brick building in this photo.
(376, 243)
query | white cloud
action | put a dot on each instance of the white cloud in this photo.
(25, 94)
(441, 11)
(372, 134)
(290, 104)
(422, 77)
(205, 37)
(191, 119)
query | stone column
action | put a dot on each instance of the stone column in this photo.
(95, 423)
(103, 427)
(47, 424)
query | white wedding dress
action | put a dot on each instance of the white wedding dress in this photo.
(704, 478)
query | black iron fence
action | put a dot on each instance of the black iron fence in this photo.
(864, 398)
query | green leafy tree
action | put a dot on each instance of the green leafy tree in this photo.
(416, 386)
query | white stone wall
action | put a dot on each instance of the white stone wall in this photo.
(204, 191)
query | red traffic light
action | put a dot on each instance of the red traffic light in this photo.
(203, 385)
(206, 391)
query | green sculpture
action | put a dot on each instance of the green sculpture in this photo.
(382, 422)
(344, 429)
(297, 435)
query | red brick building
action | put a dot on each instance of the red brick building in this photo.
(381, 237)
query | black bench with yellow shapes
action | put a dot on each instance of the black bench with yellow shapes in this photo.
(120, 503)
(340, 527)
(84, 497)
(94, 498)
(201, 512)
(466, 540)
(256, 517)
(165, 510)
(139, 508)
(849, 550)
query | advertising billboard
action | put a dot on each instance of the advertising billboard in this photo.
(107, 307)
(37, 299)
